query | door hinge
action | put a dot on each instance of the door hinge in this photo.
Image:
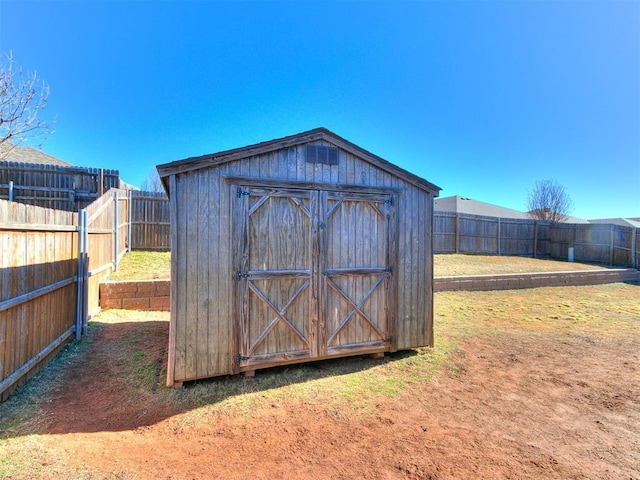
(389, 201)
(240, 275)
(240, 192)
(241, 358)
(389, 270)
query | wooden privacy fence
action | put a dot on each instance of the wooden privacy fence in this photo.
(602, 243)
(51, 263)
(53, 186)
(106, 223)
(465, 233)
(149, 224)
(39, 282)
(475, 234)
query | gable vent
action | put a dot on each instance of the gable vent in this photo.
(322, 154)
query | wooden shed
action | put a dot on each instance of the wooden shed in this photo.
(292, 250)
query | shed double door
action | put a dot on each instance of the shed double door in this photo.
(315, 274)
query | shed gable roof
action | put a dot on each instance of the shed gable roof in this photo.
(205, 161)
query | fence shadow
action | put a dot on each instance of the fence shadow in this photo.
(114, 381)
(37, 315)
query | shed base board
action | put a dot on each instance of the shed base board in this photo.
(249, 370)
(369, 352)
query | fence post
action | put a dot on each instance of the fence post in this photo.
(498, 235)
(82, 274)
(535, 238)
(129, 216)
(115, 231)
(85, 273)
(634, 248)
(457, 233)
(79, 278)
(611, 230)
(11, 190)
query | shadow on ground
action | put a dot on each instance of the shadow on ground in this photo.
(114, 381)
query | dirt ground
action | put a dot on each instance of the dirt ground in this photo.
(546, 405)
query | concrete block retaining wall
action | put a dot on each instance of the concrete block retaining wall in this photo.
(533, 280)
(136, 295)
(154, 294)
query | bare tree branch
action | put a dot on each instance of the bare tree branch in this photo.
(22, 96)
(549, 201)
(152, 182)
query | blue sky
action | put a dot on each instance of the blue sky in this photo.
(481, 98)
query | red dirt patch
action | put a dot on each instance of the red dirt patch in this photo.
(545, 405)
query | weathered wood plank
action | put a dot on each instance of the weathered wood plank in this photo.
(391, 307)
(201, 271)
(217, 251)
(176, 279)
(192, 228)
(182, 280)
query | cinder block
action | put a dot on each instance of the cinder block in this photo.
(107, 303)
(135, 303)
(163, 288)
(145, 289)
(117, 289)
(159, 303)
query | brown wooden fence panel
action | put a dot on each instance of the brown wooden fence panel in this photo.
(54, 186)
(150, 222)
(38, 292)
(445, 232)
(107, 242)
(465, 233)
(478, 234)
(622, 252)
(635, 247)
(543, 244)
(591, 242)
(595, 242)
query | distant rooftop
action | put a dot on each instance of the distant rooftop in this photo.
(623, 222)
(461, 204)
(16, 153)
(470, 206)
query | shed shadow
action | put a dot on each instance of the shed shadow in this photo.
(114, 380)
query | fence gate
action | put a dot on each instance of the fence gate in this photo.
(314, 274)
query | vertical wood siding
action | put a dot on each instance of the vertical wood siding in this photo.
(203, 275)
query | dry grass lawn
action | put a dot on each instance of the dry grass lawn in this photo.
(139, 265)
(460, 265)
(526, 384)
